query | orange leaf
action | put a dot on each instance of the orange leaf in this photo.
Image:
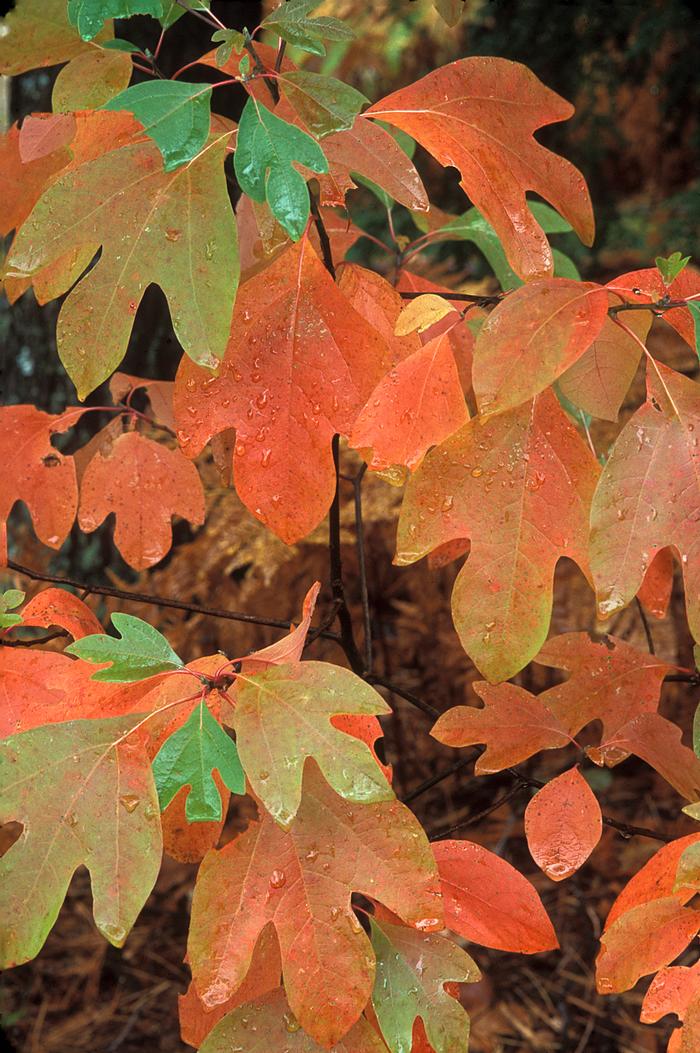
(656, 880)
(60, 607)
(655, 591)
(646, 286)
(380, 304)
(299, 365)
(500, 482)
(417, 405)
(649, 495)
(532, 337)
(658, 742)
(643, 940)
(513, 723)
(479, 115)
(35, 472)
(489, 902)
(299, 882)
(563, 824)
(144, 484)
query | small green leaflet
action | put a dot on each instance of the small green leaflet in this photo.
(694, 308)
(120, 45)
(412, 968)
(8, 602)
(172, 10)
(324, 104)
(88, 16)
(473, 227)
(228, 40)
(290, 22)
(669, 267)
(176, 115)
(189, 757)
(265, 150)
(140, 652)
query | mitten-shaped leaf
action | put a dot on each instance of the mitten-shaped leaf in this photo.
(642, 940)
(532, 337)
(139, 652)
(88, 16)
(274, 1027)
(648, 496)
(563, 824)
(299, 365)
(479, 115)
(658, 742)
(175, 114)
(85, 796)
(175, 229)
(35, 472)
(657, 880)
(189, 757)
(489, 902)
(301, 882)
(676, 990)
(267, 148)
(60, 607)
(513, 723)
(293, 24)
(412, 969)
(519, 486)
(417, 405)
(144, 484)
(283, 716)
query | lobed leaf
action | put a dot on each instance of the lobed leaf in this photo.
(89, 16)
(139, 652)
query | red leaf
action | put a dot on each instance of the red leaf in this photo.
(501, 483)
(35, 472)
(380, 304)
(656, 880)
(63, 608)
(513, 723)
(658, 742)
(646, 286)
(643, 940)
(479, 115)
(299, 365)
(417, 405)
(533, 336)
(196, 1020)
(42, 134)
(563, 824)
(649, 495)
(144, 484)
(489, 902)
(671, 991)
(655, 591)
(300, 882)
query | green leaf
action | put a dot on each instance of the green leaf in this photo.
(172, 10)
(120, 45)
(8, 601)
(412, 968)
(88, 16)
(472, 226)
(290, 22)
(175, 114)
(85, 798)
(140, 652)
(265, 152)
(229, 40)
(284, 715)
(324, 104)
(670, 267)
(694, 308)
(189, 757)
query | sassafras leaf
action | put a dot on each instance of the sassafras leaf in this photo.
(175, 114)
(141, 651)
(88, 16)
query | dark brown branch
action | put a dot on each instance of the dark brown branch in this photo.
(659, 307)
(347, 632)
(402, 692)
(440, 777)
(325, 241)
(156, 601)
(362, 567)
(483, 301)
(645, 624)
(478, 816)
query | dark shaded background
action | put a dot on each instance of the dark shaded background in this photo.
(631, 71)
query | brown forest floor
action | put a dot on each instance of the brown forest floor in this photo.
(82, 996)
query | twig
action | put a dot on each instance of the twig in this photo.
(325, 241)
(440, 777)
(483, 301)
(362, 566)
(402, 692)
(475, 818)
(156, 601)
(347, 633)
(647, 627)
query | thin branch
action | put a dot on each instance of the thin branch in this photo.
(325, 241)
(203, 16)
(362, 567)
(478, 816)
(402, 692)
(483, 301)
(347, 633)
(156, 601)
(647, 627)
(440, 777)
(659, 307)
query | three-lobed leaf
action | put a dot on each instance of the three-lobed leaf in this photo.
(290, 20)
(139, 652)
(188, 758)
